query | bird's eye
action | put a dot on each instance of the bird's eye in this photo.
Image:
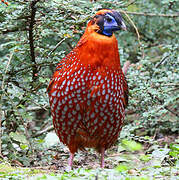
(108, 19)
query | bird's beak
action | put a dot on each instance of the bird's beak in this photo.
(119, 20)
(123, 26)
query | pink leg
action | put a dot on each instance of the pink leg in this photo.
(102, 157)
(70, 161)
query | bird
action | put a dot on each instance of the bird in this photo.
(88, 92)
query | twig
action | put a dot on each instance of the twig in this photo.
(27, 135)
(16, 83)
(165, 107)
(31, 37)
(42, 107)
(30, 66)
(14, 30)
(114, 155)
(56, 46)
(130, 3)
(171, 111)
(37, 108)
(137, 32)
(155, 134)
(23, 123)
(10, 58)
(177, 85)
(162, 61)
(69, 45)
(150, 14)
(2, 87)
(43, 131)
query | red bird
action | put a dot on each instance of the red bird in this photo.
(88, 92)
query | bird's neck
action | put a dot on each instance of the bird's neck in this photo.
(98, 50)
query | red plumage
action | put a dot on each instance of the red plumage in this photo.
(88, 93)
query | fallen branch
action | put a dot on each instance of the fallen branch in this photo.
(48, 129)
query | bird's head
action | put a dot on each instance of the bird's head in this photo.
(107, 21)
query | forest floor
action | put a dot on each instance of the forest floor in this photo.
(128, 160)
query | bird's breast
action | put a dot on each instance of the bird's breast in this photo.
(87, 103)
(98, 50)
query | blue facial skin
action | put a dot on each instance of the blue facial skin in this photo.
(110, 25)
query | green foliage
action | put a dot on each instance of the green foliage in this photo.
(174, 152)
(131, 145)
(153, 77)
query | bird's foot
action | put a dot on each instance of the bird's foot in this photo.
(70, 162)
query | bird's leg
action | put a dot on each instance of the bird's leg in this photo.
(102, 157)
(70, 161)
